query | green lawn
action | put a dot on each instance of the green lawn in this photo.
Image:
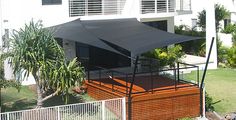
(26, 99)
(221, 85)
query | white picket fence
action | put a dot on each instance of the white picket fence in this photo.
(112, 109)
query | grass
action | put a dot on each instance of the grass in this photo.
(12, 99)
(221, 86)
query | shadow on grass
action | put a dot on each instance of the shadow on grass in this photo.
(58, 100)
(23, 104)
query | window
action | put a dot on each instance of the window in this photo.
(5, 38)
(162, 25)
(194, 23)
(51, 2)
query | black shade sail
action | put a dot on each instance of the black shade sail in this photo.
(128, 34)
(74, 31)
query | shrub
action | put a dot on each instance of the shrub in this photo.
(209, 103)
(229, 29)
(166, 56)
(193, 47)
(223, 54)
(1, 71)
(231, 57)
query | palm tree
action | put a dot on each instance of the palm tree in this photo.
(33, 50)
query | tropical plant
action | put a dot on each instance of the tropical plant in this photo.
(220, 14)
(231, 57)
(194, 47)
(33, 50)
(209, 103)
(166, 56)
(230, 28)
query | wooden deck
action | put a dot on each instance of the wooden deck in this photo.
(158, 98)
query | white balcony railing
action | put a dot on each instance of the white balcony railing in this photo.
(164, 6)
(116, 7)
(95, 7)
(183, 5)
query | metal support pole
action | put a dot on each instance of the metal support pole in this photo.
(88, 72)
(175, 77)
(126, 84)
(112, 75)
(178, 71)
(198, 76)
(207, 62)
(152, 81)
(130, 91)
(100, 77)
(203, 77)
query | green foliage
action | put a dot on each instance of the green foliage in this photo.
(222, 54)
(166, 56)
(34, 50)
(220, 14)
(209, 103)
(1, 70)
(230, 28)
(231, 58)
(194, 47)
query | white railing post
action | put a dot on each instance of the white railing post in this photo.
(155, 2)
(58, 113)
(103, 7)
(8, 116)
(123, 109)
(103, 110)
(86, 7)
(167, 6)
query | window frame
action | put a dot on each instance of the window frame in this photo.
(51, 2)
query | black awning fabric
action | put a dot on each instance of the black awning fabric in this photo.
(132, 35)
(128, 34)
(74, 31)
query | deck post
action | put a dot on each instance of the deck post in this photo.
(175, 76)
(112, 75)
(100, 76)
(126, 84)
(130, 91)
(203, 79)
(178, 71)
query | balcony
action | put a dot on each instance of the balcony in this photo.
(128, 7)
(165, 6)
(95, 7)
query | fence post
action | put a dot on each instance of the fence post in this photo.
(8, 116)
(103, 110)
(123, 109)
(58, 113)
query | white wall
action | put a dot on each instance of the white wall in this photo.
(198, 6)
(226, 39)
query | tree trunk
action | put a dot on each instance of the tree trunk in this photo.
(38, 89)
(40, 96)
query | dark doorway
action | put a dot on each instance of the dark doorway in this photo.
(162, 25)
(92, 57)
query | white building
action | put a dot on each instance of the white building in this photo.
(158, 13)
(198, 5)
